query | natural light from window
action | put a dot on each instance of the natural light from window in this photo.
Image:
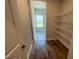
(39, 21)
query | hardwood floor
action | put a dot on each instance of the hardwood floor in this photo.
(51, 50)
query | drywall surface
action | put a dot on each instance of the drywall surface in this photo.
(10, 32)
(53, 9)
(18, 25)
(64, 25)
(24, 20)
(67, 5)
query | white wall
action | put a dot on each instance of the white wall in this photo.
(67, 5)
(24, 19)
(53, 9)
(19, 30)
(65, 23)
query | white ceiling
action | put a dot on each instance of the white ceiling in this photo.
(38, 4)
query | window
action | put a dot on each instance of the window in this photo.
(39, 21)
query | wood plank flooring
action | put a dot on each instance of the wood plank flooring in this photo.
(51, 50)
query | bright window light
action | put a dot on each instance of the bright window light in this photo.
(39, 20)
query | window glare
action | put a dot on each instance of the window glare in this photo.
(39, 19)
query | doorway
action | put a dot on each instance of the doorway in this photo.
(38, 11)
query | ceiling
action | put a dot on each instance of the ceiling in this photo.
(39, 4)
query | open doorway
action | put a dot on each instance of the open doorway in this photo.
(38, 9)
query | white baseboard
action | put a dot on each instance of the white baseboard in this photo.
(13, 51)
(28, 55)
(66, 44)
